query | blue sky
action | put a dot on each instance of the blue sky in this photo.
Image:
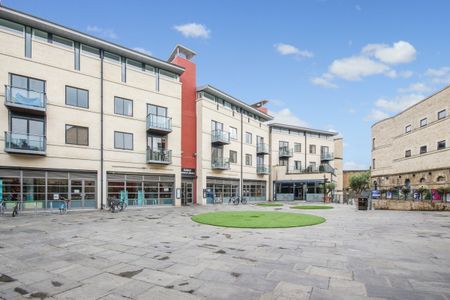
(333, 65)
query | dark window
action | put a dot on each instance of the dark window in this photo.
(423, 149)
(76, 53)
(123, 69)
(373, 143)
(312, 149)
(248, 159)
(441, 145)
(297, 147)
(28, 42)
(27, 83)
(27, 125)
(157, 142)
(442, 114)
(77, 97)
(373, 163)
(123, 106)
(297, 165)
(123, 140)
(156, 110)
(77, 135)
(423, 122)
(233, 157)
(408, 153)
(283, 162)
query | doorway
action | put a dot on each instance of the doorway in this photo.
(187, 188)
(83, 193)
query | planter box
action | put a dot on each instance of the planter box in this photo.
(424, 205)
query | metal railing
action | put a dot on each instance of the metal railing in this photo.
(159, 156)
(160, 123)
(324, 168)
(262, 148)
(25, 97)
(262, 169)
(326, 156)
(220, 163)
(220, 136)
(285, 152)
(27, 143)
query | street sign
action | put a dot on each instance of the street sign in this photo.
(376, 194)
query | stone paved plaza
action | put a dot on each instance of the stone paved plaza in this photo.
(159, 253)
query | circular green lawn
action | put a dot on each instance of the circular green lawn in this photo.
(312, 207)
(269, 204)
(257, 219)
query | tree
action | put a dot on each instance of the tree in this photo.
(405, 191)
(359, 182)
(329, 187)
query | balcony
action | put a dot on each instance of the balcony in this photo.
(262, 148)
(159, 124)
(220, 137)
(23, 100)
(220, 163)
(163, 157)
(25, 143)
(324, 168)
(285, 152)
(326, 156)
(262, 170)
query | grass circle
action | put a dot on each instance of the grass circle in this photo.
(312, 207)
(257, 219)
(269, 204)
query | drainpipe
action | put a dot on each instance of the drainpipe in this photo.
(101, 130)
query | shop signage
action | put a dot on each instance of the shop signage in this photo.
(376, 194)
(187, 172)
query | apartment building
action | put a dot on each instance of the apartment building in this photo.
(303, 160)
(85, 119)
(411, 149)
(88, 120)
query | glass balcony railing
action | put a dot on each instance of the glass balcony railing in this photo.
(26, 99)
(324, 168)
(220, 163)
(326, 156)
(262, 169)
(25, 143)
(220, 137)
(285, 152)
(159, 156)
(262, 148)
(159, 123)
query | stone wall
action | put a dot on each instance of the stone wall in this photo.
(410, 205)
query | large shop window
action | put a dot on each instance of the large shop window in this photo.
(255, 190)
(221, 189)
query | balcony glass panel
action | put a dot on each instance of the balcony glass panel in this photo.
(159, 122)
(24, 142)
(25, 97)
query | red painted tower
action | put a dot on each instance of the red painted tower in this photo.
(183, 56)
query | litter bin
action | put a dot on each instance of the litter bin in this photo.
(363, 203)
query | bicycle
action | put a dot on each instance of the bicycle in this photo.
(16, 209)
(238, 199)
(2, 207)
(115, 204)
(64, 206)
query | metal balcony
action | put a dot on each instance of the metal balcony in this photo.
(163, 157)
(220, 163)
(326, 156)
(262, 170)
(220, 137)
(285, 152)
(262, 148)
(326, 168)
(160, 124)
(23, 100)
(25, 143)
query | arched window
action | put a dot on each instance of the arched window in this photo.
(440, 179)
(422, 180)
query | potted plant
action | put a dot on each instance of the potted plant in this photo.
(405, 191)
(421, 190)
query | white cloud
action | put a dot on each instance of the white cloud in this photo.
(193, 30)
(417, 87)
(324, 81)
(285, 116)
(102, 32)
(277, 102)
(356, 67)
(286, 49)
(351, 165)
(376, 115)
(441, 75)
(400, 52)
(142, 50)
(399, 103)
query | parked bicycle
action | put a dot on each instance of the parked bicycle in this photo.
(2, 207)
(237, 200)
(16, 209)
(64, 205)
(116, 205)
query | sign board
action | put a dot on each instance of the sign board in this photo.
(187, 172)
(389, 195)
(178, 193)
(376, 194)
(55, 196)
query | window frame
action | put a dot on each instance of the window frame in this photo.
(315, 149)
(248, 137)
(230, 128)
(408, 153)
(77, 127)
(123, 99)
(423, 147)
(235, 153)
(444, 116)
(442, 148)
(426, 122)
(123, 132)
(408, 128)
(73, 87)
(248, 156)
(300, 147)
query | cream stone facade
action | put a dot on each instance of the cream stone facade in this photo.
(412, 148)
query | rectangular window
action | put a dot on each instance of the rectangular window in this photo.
(123, 106)
(297, 165)
(167, 74)
(233, 157)
(123, 69)
(312, 149)
(441, 145)
(248, 159)
(408, 153)
(248, 138)
(408, 129)
(442, 114)
(28, 41)
(283, 162)
(373, 143)
(297, 147)
(233, 133)
(112, 57)
(216, 126)
(77, 56)
(156, 110)
(11, 26)
(149, 69)
(77, 97)
(77, 135)
(423, 149)
(123, 140)
(63, 42)
(40, 35)
(88, 50)
(28, 83)
(423, 122)
(133, 64)
(373, 163)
